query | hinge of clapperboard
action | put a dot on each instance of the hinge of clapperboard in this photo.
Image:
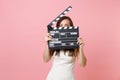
(57, 18)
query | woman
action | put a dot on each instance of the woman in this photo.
(63, 63)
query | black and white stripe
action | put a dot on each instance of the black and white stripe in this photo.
(71, 27)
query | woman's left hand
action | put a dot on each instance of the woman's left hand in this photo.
(80, 42)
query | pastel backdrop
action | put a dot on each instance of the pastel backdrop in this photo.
(23, 28)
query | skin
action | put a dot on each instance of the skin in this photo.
(80, 51)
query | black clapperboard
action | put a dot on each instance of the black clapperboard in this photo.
(63, 37)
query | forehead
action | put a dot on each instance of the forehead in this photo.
(65, 21)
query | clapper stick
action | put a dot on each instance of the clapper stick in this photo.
(57, 18)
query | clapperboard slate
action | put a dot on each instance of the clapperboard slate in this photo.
(63, 37)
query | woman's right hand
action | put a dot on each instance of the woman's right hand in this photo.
(48, 37)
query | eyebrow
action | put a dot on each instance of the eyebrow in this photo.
(65, 25)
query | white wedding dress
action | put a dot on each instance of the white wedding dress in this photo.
(62, 67)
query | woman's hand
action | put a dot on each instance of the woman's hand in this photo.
(81, 56)
(47, 53)
(48, 37)
(80, 42)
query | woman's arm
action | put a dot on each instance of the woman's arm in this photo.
(80, 53)
(47, 53)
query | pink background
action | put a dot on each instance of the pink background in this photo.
(23, 28)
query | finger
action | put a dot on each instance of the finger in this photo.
(78, 38)
(47, 39)
(80, 42)
(77, 42)
(49, 36)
